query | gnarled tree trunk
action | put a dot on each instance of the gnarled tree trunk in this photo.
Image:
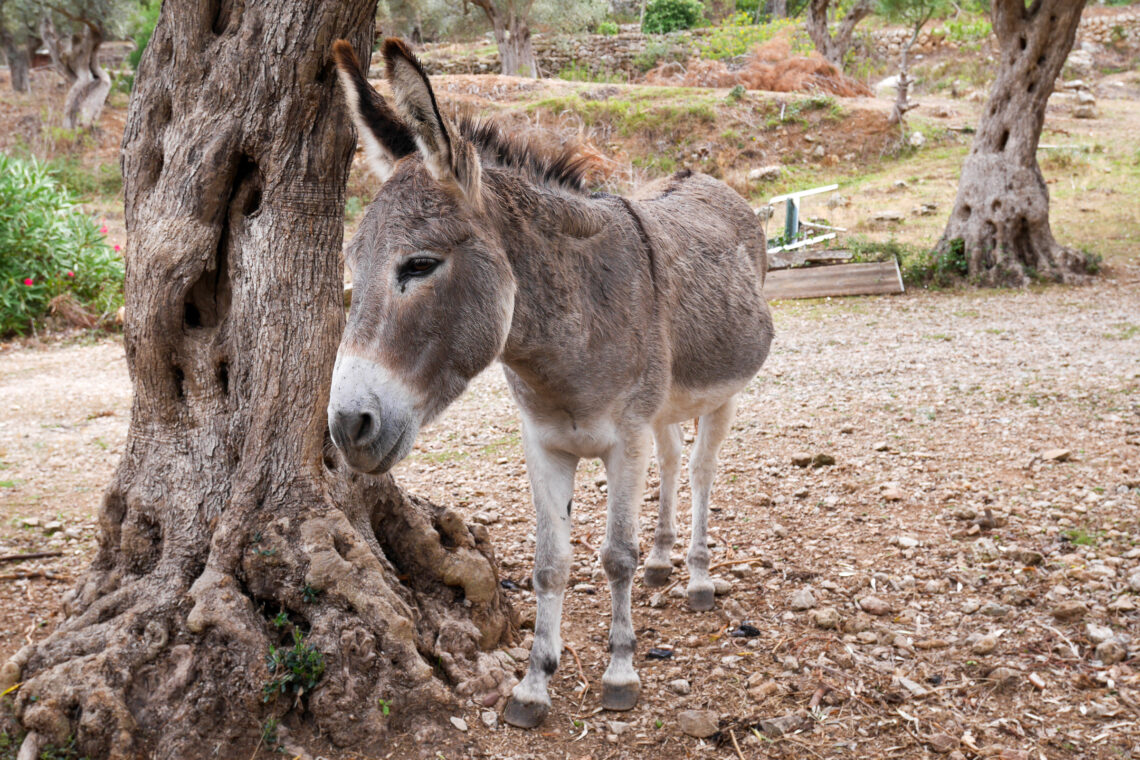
(834, 47)
(76, 58)
(1000, 219)
(231, 525)
(19, 62)
(512, 37)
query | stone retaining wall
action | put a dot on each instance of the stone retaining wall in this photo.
(624, 54)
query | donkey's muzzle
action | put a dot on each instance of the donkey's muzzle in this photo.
(372, 417)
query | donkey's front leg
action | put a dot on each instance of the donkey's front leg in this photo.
(552, 485)
(659, 565)
(625, 470)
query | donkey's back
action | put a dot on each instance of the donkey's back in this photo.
(710, 260)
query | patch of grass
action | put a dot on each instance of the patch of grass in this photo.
(580, 72)
(1082, 537)
(65, 751)
(1123, 331)
(295, 670)
(920, 266)
(310, 594)
(354, 207)
(737, 36)
(630, 117)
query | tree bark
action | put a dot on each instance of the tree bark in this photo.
(902, 97)
(76, 58)
(512, 37)
(18, 63)
(231, 522)
(1000, 221)
(834, 47)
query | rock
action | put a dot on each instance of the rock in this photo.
(700, 724)
(995, 610)
(1069, 610)
(490, 718)
(617, 727)
(839, 201)
(764, 690)
(1005, 678)
(1098, 633)
(985, 550)
(678, 686)
(1085, 112)
(826, 618)
(765, 173)
(880, 446)
(916, 139)
(53, 527)
(485, 518)
(802, 599)
(905, 542)
(888, 215)
(459, 723)
(985, 645)
(1057, 455)
(925, 209)
(721, 586)
(1134, 581)
(885, 88)
(892, 493)
(30, 522)
(873, 605)
(1111, 652)
(785, 724)
(1037, 680)
(801, 460)
(1030, 558)
(942, 743)
(822, 460)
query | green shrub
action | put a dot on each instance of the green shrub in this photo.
(144, 23)
(657, 52)
(49, 248)
(608, 28)
(664, 16)
(966, 29)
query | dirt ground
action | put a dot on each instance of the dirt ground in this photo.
(935, 407)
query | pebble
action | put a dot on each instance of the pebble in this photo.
(1070, 610)
(984, 645)
(490, 718)
(826, 618)
(1057, 455)
(995, 610)
(970, 606)
(1134, 582)
(1005, 678)
(617, 727)
(905, 542)
(880, 446)
(802, 599)
(459, 723)
(764, 690)
(1098, 633)
(53, 527)
(873, 605)
(785, 724)
(700, 724)
(942, 743)
(801, 460)
(721, 586)
(678, 686)
(1111, 652)
(892, 493)
(822, 460)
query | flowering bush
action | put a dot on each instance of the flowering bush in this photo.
(49, 248)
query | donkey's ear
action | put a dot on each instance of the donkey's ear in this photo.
(386, 139)
(449, 158)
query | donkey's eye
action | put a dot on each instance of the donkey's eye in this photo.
(418, 266)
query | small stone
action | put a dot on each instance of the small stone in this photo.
(802, 599)
(942, 743)
(677, 592)
(1030, 558)
(617, 727)
(30, 522)
(1069, 610)
(485, 518)
(995, 610)
(888, 215)
(985, 550)
(53, 527)
(985, 645)
(721, 586)
(916, 139)
(678, 686)
(700, 724)
(801, 460)
(1057, 455)
(764, 690)
(970, 606)
(905, 542)
(765, 173)
(892, 493)
(1134, 582)
(658, 600)
(459, 723)
(873, 605)
(785, 724)
(822, 460)
(1098, 633)
(1037, 680)
(1111, 652)
(826, 618)
(866, 637)
(490, 718)
(880, 446)
(1005, 678)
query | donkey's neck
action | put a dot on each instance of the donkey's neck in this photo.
(585, 308)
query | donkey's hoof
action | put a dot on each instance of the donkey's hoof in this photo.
(657, 575)
(620, 696)
(525, 714)
(701, 598)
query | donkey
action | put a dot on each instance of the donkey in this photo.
(615, 319)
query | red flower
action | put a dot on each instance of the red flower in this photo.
(116, 247)
(103, 230)
(29, 282)
(70, 273)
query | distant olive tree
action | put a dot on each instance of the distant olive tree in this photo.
(913, 14)
(19, 38)
(834, 47)
(511, 22)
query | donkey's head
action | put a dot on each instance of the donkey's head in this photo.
(433, 291)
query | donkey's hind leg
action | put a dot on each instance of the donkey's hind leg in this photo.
(552, 485)
(625, 469)
(711, 432)
(659, 565)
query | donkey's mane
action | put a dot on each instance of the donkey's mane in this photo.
(564, 168)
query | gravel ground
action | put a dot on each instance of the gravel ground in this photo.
(963, 579)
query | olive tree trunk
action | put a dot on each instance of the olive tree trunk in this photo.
(231, 526)
(1000, 220)
(76, 58)
(512, 35)
(833, 47)
(19, 62)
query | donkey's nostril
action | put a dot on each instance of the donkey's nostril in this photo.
(355, 428)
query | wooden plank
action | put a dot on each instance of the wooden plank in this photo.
(877, 278)
(804, 193)
(783, 259)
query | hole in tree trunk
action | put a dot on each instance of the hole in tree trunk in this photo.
(224, 376)
(1023, 42)
(1004, 139)
(965, 211)
(179, 383)
(222, 16)
(1032, 87)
